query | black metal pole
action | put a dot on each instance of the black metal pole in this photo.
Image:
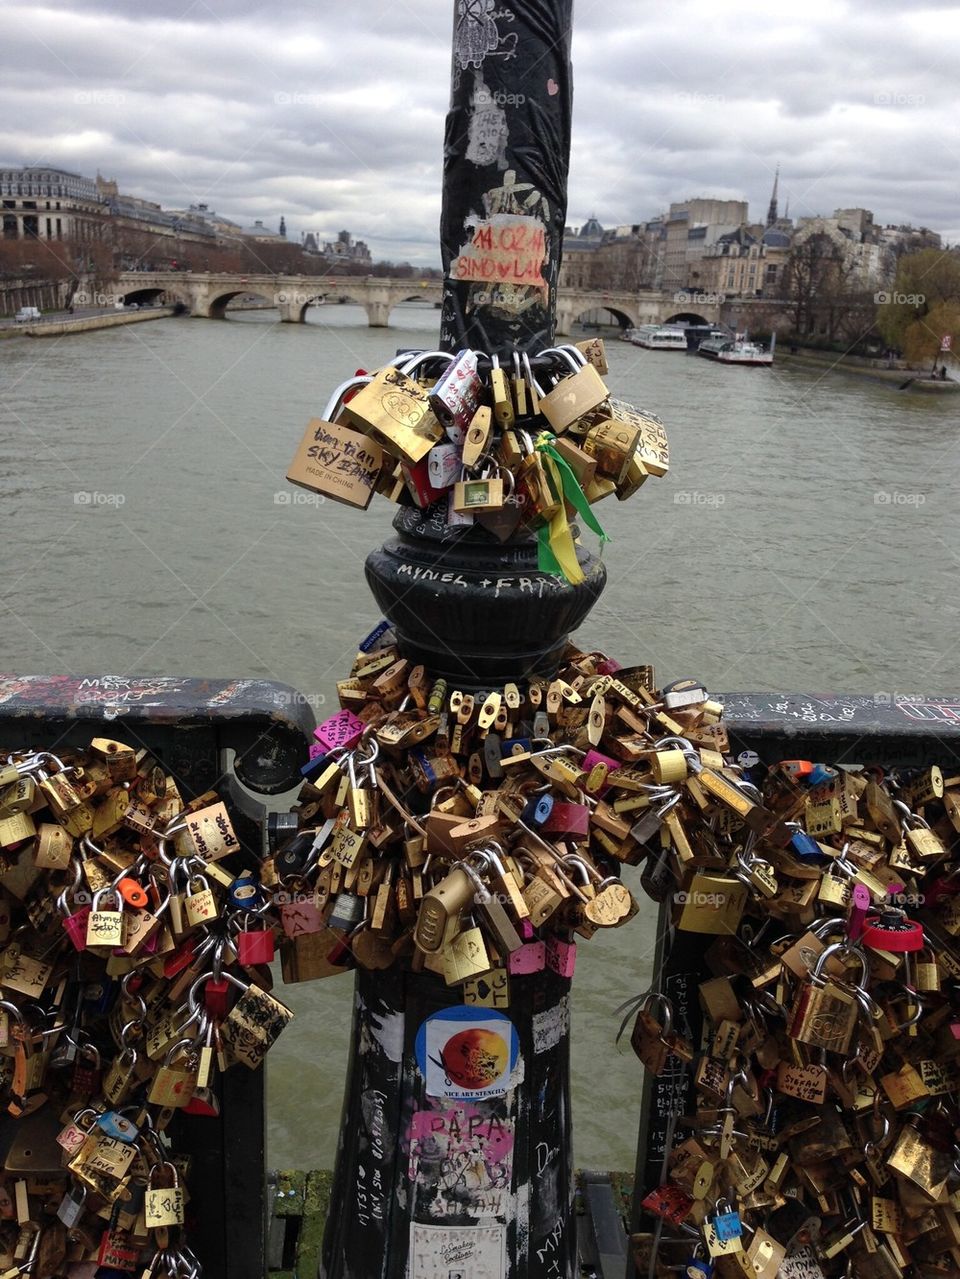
(506, 160)
(437, 1177)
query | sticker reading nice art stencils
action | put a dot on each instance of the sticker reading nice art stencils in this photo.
(464, 1055)
(457, 1252)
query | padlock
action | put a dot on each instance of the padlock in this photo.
(105, 927)
(200, 905)
(164, 1204)
(573, 397)
(456, 395)
(395, 410)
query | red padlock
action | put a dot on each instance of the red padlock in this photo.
(215, 997)
(255, 947)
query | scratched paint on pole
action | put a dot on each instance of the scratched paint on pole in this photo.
(457, 1252)
(461, 1162)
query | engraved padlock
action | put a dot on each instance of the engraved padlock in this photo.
(200, 905)
(105, 926)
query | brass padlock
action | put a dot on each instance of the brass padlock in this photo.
(573, 398)
(396, 411)
(483, 494)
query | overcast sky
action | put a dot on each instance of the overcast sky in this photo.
(332, 113)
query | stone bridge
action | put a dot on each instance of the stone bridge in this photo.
(207, 294)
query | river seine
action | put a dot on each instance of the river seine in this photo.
(805, 538)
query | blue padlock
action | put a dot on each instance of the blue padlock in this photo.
(313, 766)
(697, 1268)
(246, 892)
(821, 773)
(805, 845)
(371, 641)
(515, 746)
(118, 1126)
(727, 1226)
(537, 809)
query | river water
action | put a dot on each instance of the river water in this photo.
(805, 538)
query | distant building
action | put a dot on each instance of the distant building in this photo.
(747, 262)
(261, 234)
(44, 203)
(692, 228)
(130, 213)
(579, 246)
(345, 249)
(224, 228)
(870, 262)
(909, 239)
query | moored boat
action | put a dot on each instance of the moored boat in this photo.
(659, 337)
(737, 350)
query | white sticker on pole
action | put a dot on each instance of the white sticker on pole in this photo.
(457, 1252)
(466, 1054)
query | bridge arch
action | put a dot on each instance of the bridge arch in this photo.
(623, 317)
(216, 307)
(142, 297)
(687, 317)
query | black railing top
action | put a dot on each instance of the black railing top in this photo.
(267, 724)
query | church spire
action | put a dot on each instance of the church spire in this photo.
(772, 210)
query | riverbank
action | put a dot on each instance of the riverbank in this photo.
(88, 323)
(855, 366)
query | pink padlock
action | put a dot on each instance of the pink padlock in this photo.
(76, 927)
(300, 916)
(561, 956)
(316, 750)
(343, 729)
(609, 666)
(530, 958)
(255, 947)
(592, 758)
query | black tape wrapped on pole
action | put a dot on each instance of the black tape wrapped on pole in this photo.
(506, 161)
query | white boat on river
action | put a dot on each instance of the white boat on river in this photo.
(737, 350)
(659, 337)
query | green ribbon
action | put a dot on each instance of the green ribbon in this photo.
(556, 552)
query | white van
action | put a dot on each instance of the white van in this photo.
(27, 314)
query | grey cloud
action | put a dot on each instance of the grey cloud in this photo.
(333, 115)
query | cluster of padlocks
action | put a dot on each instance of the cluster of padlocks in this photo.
(821, 1135)
(132, 971)
(491, 443)
(480, 835)
(477, 835)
